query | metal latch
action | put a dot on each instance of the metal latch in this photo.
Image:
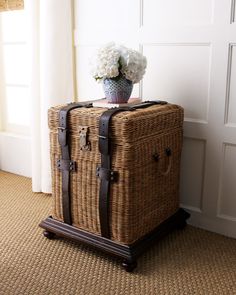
(83, 138)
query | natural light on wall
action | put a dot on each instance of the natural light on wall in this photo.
(14, 75)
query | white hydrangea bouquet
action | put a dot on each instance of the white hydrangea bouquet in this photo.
(118, 68)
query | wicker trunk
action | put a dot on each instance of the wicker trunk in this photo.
(146, 148)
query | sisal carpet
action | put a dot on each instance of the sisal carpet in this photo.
(191, 261)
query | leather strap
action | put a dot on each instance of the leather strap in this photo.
(65, 165)
(104, 172)
(148, 103)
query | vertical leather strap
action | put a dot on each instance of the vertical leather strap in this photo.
(104, 171)
(65, 164)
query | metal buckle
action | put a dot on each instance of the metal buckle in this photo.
(61, 128)
(102, 137)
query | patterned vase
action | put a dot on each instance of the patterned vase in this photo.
(117, 90)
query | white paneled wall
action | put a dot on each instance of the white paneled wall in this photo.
(190, 46)
(181, 12)
(186, 68)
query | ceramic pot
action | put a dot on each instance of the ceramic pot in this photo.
(117, 90)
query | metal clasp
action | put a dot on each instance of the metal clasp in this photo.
(85, 145)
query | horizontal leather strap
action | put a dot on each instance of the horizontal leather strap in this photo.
(148, 103)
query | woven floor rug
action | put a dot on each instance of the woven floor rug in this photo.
(191, 261)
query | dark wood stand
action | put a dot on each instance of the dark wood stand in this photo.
(128, 253)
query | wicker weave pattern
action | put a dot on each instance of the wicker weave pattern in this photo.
(142, 197)
(11, 5)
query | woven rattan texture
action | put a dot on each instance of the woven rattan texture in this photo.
(188, 262)
(142, 197)
(11, 5)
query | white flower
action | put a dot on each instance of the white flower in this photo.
(133, 65)
(106, 62)
(113, 60)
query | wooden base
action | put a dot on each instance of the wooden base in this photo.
(128, 253)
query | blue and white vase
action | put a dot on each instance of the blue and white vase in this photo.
(117, 90)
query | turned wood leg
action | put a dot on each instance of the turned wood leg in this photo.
(49, 235)
(181, 220)
(129, 266)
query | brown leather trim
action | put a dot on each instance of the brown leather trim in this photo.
(65, 165)
(104, 171)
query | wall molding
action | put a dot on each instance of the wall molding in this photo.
(219, 225)
(232, 12)
(202, 176)
(204, 118)
(228, 83)
(226, 217)
(203, 141)
(208, 44)
(169, 18)
(191, 120)
(219, 199)
(141, 82)
(141, 5)
(191, 208)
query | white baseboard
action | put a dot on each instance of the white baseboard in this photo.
(15, 154)
(216, 224)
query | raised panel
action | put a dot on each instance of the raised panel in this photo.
(179, 73)
(227, 198)
(93, 15)
(231, 87)
(181, 12)
(87, 87)
(192, 173)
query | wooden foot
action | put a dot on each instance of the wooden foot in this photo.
(129, 266)
(180, 222)
(181, 225)
(49, 235)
